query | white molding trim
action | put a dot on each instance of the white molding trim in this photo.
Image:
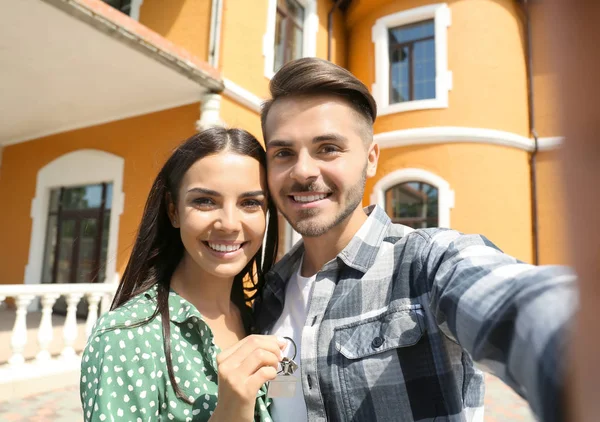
(448, 134)
(134, 12)
(445, 194)
(81, 167)
(309, 40)
(550, 143)
(440, 12)
(242, 95)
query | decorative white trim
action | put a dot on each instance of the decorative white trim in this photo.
(440, 12)
(210, 112)
(550, 143)
(448, 134)
(242, 96)
(134, 11)
(309, 41)
(445, 194)
(81, 167)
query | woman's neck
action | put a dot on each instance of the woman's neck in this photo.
(211, 295)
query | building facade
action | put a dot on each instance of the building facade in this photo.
(99, 92)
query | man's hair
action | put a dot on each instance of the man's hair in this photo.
(312, 76)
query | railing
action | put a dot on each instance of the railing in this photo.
(25, 294)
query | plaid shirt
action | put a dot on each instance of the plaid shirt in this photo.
(397, 319)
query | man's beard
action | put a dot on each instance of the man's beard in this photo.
(307, 224)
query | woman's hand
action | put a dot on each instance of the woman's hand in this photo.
(242, 371)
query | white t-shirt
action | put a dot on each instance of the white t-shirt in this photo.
(290, 324)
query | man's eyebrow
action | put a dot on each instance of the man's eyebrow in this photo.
(329, 137)
(279, 143)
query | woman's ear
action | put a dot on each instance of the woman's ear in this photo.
(172, 210)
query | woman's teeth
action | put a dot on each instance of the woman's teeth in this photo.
(224, 248)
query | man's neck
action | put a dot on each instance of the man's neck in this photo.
(322, 249)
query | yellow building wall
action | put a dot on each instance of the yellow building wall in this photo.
(485, 56)
(552, 210)
(144, 142)
(244, 26)
(491, 185)
(183, 22)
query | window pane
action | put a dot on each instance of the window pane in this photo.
(54, 200)
(399, 75)
(280, 31)
(415, 31)
(295, 11)
(49, 249)
(296, 44)
(122, 5)
(414, 204)
(87, 250)
(109, 196)
(82, 197)
(424, 69)
(104, 249)
(65, 251)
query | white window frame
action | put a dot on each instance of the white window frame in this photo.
(445, 194)
(440, 13)
(310, 29)
(77, 168)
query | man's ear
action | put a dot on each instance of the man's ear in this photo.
(172, 210)
(372, 159)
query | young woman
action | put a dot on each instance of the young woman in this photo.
(197, 261)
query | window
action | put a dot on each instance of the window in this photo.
(77, 236)
(122, 5)
(411, 60)
(292, 27)
(129, 7)
(415, 197)
(414, 204)
(289, 30)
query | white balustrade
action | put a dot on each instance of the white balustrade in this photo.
(97, 295)
(45, 332)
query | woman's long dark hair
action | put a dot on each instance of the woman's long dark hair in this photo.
(158, 248)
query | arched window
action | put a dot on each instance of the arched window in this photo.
(415, 197)
(414, 204)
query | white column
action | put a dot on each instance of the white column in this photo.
(45, 332)
(70, 328)
(210, 110)
(93, 300)
(19, 334)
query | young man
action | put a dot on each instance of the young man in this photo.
(388, 320)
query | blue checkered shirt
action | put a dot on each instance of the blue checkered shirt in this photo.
(397, 319)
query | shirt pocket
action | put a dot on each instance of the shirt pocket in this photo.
(390, 330)
(371, 355)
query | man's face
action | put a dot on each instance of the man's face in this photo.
(317, 161)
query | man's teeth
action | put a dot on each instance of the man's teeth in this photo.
(224, 248)
(310, 198)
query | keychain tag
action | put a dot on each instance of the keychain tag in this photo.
(284, 385)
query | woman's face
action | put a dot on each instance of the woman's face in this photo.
(221, 212)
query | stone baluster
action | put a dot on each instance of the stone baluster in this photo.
(70, 328)
(93, 300)
(45, 332)
(19, 334)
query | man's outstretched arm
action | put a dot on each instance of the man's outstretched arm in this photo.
(512, 317)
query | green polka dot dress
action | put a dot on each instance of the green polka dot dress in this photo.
(124, 371)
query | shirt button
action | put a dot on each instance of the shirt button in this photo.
(377, 342)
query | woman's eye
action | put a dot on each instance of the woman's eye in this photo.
(252, 203)
(203, 202)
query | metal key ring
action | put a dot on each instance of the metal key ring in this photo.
(293, 344)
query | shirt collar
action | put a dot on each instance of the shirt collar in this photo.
(360, 253)
(180, 310)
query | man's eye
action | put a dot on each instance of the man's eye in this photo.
(328, 149)
(282, 153)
